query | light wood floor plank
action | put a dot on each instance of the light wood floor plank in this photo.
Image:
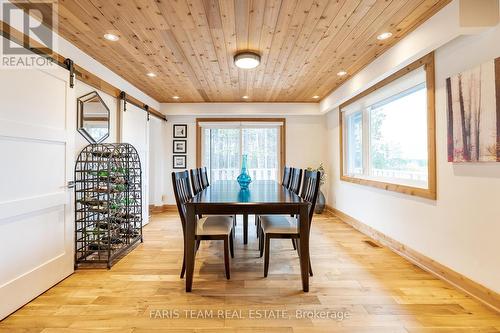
(380, 291)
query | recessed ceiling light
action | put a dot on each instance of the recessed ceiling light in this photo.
(244, 97)
(151, 74)
(342, 73)
(384, 35)
(315, 96)
(175, 97)
(247, 60)
(111, 37)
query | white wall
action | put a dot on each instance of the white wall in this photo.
(240, 109)
(305, 139)
(460, 229)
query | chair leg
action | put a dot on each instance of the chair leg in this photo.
(293, 243)
(183, 270)
(226, 257)
(231, 243)
(261, 243)
(266, 255)
(297, 241)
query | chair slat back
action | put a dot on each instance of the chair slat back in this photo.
(295, 178)
(286, 177)
(204, 177)
(182, 191)
(310, 190)
(196, 181)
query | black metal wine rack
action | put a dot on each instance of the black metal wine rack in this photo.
(108, 202)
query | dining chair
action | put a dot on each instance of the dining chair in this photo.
(204, 177)
(291, 180)
(286, 176)
(213, 227)
(196, 180)
(295, 178)
(282, 226)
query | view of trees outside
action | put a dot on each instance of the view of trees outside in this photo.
(261, 146)
(393, 140)
(222, 152)
(398, 137)
(354, 154)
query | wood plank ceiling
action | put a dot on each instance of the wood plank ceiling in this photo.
(190, 44)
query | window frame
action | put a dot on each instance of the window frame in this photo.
(282, 137)
(427, 62)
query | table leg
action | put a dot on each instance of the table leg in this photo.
(245, 228)
(304, 246)
(189, 246)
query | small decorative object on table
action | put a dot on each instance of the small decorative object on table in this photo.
(244, 178)
(321, 202)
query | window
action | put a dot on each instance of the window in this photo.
(223, 143)
(387, 133)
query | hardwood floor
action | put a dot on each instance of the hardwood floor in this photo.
(374, 289)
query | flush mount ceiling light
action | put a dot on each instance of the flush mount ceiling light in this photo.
(247, 60)
(384, 36)
(175, 97)
(111, 37)
(151, 74)
(342, 73)
(315, 96)
(244, 97)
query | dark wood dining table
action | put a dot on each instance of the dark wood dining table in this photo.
(262, 197)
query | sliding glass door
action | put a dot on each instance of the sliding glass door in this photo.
(262, 147)
(223, 146)
(222, 153)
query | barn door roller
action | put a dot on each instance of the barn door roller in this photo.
(71, 68)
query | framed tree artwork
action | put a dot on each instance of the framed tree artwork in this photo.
(473, 103)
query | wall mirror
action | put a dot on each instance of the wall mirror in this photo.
(93, 117)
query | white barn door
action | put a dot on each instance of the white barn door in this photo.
(135, 130)
(37, 131)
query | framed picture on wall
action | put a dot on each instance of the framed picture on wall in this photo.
(180, 146)
(474, 114)
(179, 162)
(180, 131)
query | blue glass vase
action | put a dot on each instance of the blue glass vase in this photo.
(244, 178)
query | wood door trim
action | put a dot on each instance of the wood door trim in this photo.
(282, 134)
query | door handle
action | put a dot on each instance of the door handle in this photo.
(71, 184)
